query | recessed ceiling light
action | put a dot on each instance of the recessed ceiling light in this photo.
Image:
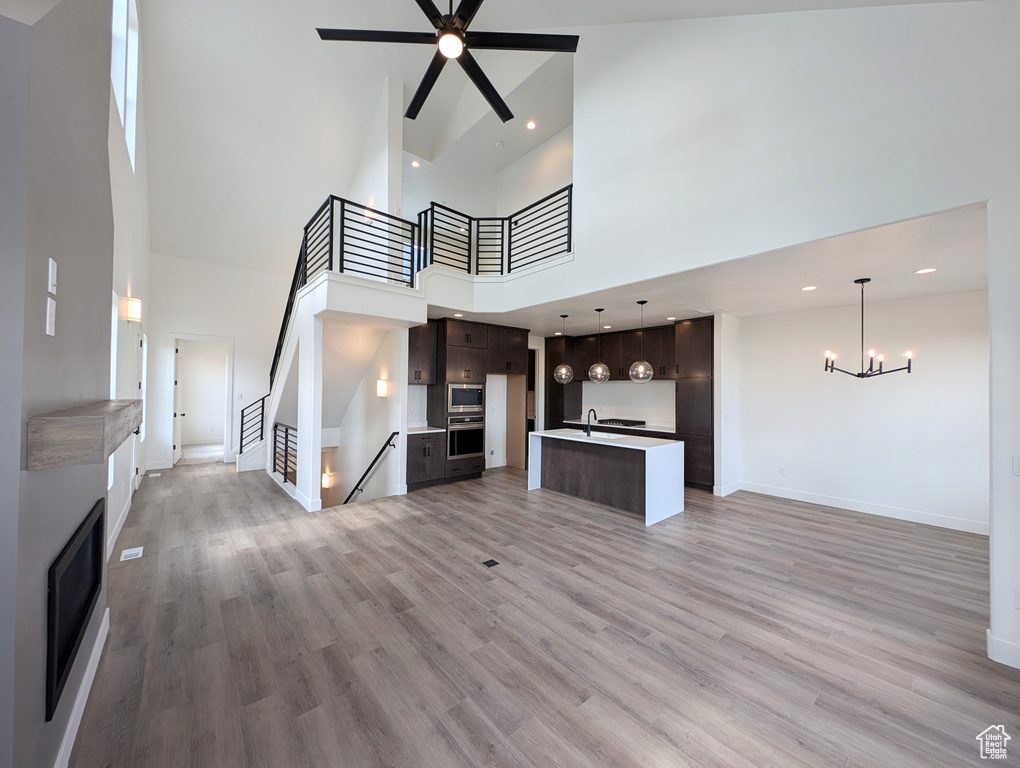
(531, 125)
(415, 164)
(558, 333)
(810, 288)
(458, 314)
(671, 318)
(606, 327)
(925, 271)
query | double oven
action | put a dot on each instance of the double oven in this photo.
(465, 421)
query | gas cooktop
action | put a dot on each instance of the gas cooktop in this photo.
(621, 422)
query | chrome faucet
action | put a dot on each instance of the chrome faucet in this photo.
(587, 429)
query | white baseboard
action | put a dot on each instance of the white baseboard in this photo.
(1003, 651)
(114, 530)
(725, 490)
(308, 504)
(897, 513)
(81, 699)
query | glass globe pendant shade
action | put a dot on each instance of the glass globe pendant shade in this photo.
(599, 373)
(641, 372)
(564, 374)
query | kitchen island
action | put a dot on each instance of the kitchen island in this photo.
(643, 475)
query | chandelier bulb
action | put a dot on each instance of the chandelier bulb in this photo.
(871, 353)
(909, 355)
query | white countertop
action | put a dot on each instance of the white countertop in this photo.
(649, 427)
(424, 430)
(605, 438)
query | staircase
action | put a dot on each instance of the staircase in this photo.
(347, 238)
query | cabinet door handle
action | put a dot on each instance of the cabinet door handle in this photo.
(678, 367)
(423, 450)
(428, 450)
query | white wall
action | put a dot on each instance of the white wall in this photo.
(14, 132)
(377, 179)
(541, 172)
(654, 402)
(202, 381)
(914, 447)
(445, 182)
(495, 421)
(370, 419)
(417, 405)
(726, 404)
(192, 298)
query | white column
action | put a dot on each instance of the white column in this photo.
(309, 420)
(726, 404)
(1004, 329)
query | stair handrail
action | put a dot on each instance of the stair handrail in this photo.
(357, 485)
(248, 423)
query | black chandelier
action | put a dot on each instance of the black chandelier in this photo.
(866, 373)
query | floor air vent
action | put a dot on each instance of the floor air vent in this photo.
(490, 563)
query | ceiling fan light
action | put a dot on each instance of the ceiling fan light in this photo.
(451, 45)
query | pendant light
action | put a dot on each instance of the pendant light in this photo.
(564, 374)
(599, 372)
(866, 373)
(641, 371)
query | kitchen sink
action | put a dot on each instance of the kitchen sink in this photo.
(607, 435)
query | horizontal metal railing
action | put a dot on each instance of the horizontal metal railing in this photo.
(285, 452)
(253, 420)
(373, 244)
(358, 485)
(541, 231)
(496, 245)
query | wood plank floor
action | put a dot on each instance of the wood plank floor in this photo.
(750, 631)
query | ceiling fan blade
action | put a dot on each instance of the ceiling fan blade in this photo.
(483, 84)
(425, 87)
(520, 41)
(432, 12)
(377, 36)
(465, 13)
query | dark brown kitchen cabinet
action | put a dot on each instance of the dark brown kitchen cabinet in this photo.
(426, 457)
(517, 353)
(421, 354)
(460, 333)
(694, 406)
(694, 340)
(699, 461)
(498, 350)
(660, 351)
(562, 401)
(586, 353)
(465, 364)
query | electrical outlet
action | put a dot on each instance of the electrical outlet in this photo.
(240, 397)
(492, 452)
(1016, 464)
(1016, 598)
(52, 287)
(782, 470)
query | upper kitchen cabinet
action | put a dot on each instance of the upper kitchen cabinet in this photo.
(508, 351)
(694, 348)
(421, 354)
(460, 333)
(660, 351)
(517, 354)
(586, 353)
(465, 365)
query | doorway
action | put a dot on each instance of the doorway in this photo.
(201, 401)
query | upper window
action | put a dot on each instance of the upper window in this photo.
(124, 69)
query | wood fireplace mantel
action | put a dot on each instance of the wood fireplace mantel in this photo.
(88, 434)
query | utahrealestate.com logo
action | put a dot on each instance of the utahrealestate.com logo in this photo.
(993, 742)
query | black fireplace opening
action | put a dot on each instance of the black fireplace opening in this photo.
(75, 581)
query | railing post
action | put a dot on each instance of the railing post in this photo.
(340, 252)
(432, 233)
(472, 240)
(570, 218)
(509, 244)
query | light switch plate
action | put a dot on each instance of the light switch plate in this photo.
(51, 317)
(1016, 598)
(52, 287)
(1016, 464)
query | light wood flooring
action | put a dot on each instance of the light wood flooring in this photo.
(750, 631)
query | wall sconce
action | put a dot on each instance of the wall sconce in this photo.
(131, 310)
(382, 388)
(327, 480)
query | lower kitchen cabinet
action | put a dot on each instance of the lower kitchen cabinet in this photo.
(472, 466)
(426, 457)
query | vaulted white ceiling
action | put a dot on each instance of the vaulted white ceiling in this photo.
(252, 121)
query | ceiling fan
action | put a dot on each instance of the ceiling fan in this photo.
(453, 38)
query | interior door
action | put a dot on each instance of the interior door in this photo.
(178, 420)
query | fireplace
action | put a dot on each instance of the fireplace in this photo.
(75, 581)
